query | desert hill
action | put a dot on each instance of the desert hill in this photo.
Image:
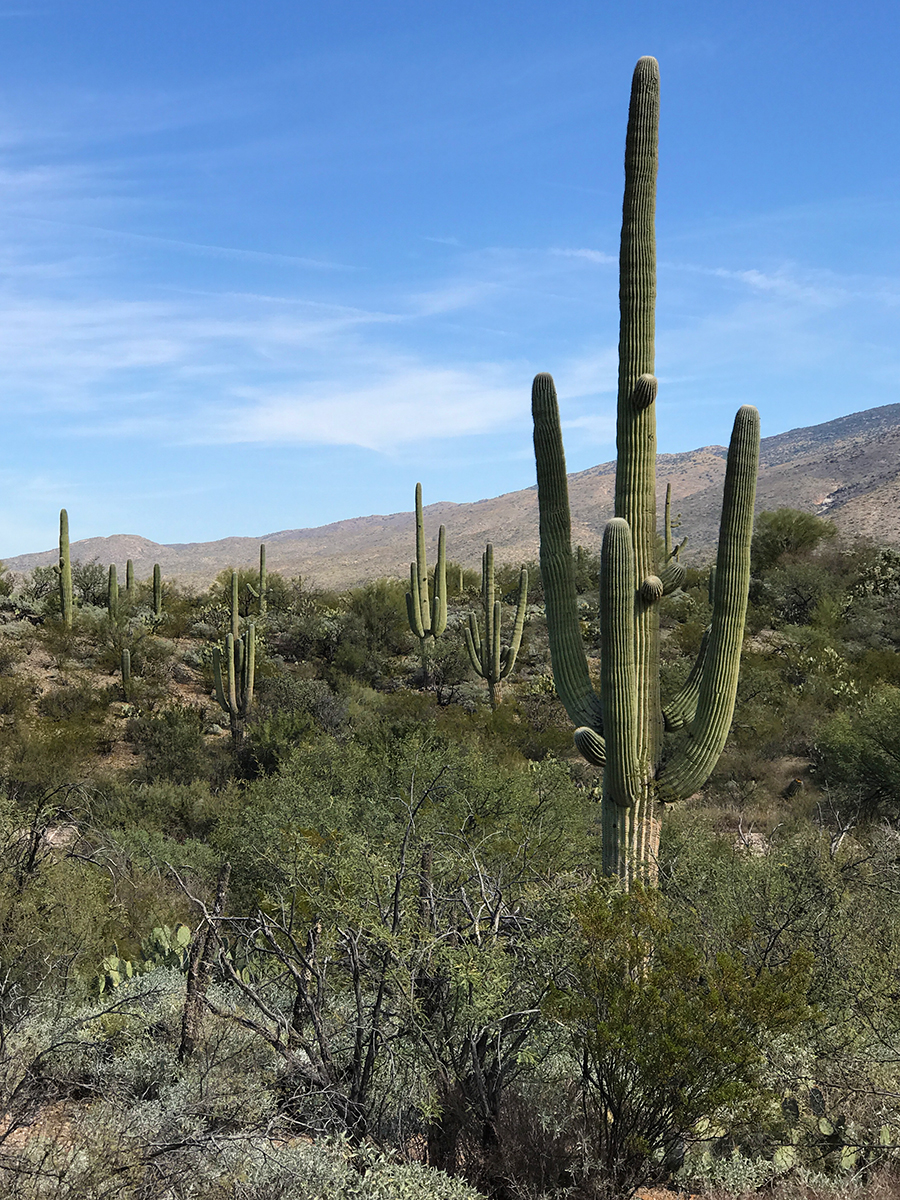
(847, 469)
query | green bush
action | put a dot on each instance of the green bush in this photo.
(172, 745)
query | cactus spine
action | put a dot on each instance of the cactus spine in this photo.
(235, 692)
(622, 728)
(112, 593)
(157, 590)
(427, 619)
(489, 657)
(66, 601)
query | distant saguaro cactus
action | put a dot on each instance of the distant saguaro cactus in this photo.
(427, 618)
(112, 593)
(157, 590)
(64, 568)
(489, 657)
(235, 692)
(260, 594)
(622, 728)
(129, 581)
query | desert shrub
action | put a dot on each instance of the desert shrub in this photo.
(665, 1034)
(858, 751)
(290, 710)
(786, 532)
(89, 582)
(172, 745)
(180, 810)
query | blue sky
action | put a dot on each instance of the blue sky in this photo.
(264, 266)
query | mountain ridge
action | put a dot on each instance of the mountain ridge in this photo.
(847, 469)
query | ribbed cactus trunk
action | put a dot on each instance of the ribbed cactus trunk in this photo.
(66, 597)
(622, 729)
(157, 590)
(112, 593)
(427, 618)
(636, 465)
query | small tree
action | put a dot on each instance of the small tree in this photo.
(786, 532)
(664, 1034)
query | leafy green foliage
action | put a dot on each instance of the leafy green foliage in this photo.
(666, 1034)
(786, 532)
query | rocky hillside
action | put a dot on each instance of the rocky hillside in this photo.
(848, 469)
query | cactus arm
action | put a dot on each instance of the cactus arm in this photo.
(413, 607)
(591, 745)
(217, 678)
(473, 645)
(249, 673)
(66, 601)
(231, 649)
(690, 768)
(439, 602)
(682, 708)
(494, 647)
(570, 668)
(621, 779)
(515, 642)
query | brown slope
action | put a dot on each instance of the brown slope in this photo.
(847, 469)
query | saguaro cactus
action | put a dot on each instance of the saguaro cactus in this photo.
(126, 673)
(64, 568)
(112, 593)
(489, 657)
(129, 581)
(235, 692)
(157, 590)
(263, 583)
(622, 729)
(427, 618)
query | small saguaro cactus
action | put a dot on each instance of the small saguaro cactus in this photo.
(235, 692)
(427, 618)
(622, 728)
(489, 657)
(157, 590)
(126, 673)
(260, 595)
(64, 568)
(112, 593)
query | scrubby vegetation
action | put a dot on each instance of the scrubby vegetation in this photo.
(367, 949)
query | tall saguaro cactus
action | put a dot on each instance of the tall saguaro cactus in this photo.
(489, 657)
(622, 728)
(427, 618)
(234, 692)
(66, 601)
